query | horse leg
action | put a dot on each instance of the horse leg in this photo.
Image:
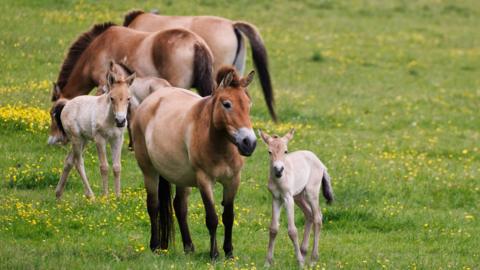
(204, 184)
(276, 209)
(130, 114)
(229, 192)
(150, 179)
(307, 212)
(67, 166)
(180, 203)
(317, 224)
(116, 145)
(292, 229)
(102, 157)
(78, 145)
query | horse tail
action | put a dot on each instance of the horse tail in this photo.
(327, 187)
(131, 16)
(57, 112)
(203, 70)
(166, 213)
(260, 59)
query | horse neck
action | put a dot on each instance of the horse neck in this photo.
(213, 138)
(77, 85)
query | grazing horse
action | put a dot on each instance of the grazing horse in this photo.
(189, 141)
(296, 177)
(177, 55)
(223, 36)
(98, 118)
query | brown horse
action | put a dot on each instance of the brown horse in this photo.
(223, 36)
(189, 141)
(177, 55)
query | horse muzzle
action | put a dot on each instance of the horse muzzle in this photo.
(246, 141)
(120, 122)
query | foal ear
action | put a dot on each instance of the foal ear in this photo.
(248, 79)
(227, 80)
(110, 79)
(130, 79)
(289, 135)
(265, 137)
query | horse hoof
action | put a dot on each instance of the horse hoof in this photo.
(268, 263)
(189, 249)
(214, 255)
(229, 255)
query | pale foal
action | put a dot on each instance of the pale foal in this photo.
(98, 118)
(295, 178)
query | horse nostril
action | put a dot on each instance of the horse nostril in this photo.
(246, 142)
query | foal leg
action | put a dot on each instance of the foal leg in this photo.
(130, 115)
(180, 204)
(67, 166)
(78, 145)
(229, 192)
(292, 229)
(317, 224)
(102, 157)
(307, 212)
(276, 209)
(116, 145)
(204, 184)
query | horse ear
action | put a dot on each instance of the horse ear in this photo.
(289, 135)
(130, 79)
(248, 79)
(265, 137)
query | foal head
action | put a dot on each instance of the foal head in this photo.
(231, 110)
(277, 149)
(118, 80)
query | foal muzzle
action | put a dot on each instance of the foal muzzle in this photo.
(246, 141)
(120, 119)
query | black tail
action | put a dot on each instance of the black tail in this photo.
(259, 54)
(131, 16)
(327, 187)
(165, 213)
(203, 70)
(57, 112)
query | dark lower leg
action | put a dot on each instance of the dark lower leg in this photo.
(152, 207)
(227, 218)
(181, 210)
(211, 220)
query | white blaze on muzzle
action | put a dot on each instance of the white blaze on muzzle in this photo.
(245, 140)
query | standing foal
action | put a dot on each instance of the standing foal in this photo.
(99, 118)
(295, 177)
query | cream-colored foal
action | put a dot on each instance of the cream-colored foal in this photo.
(295, 178)
(98, 118)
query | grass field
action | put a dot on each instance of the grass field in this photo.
(387, 93)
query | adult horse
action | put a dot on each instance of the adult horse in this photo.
(189, 141)
(177, 55)
(223, 36)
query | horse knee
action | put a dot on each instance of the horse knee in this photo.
(116, 169)
(212, 222)
(273, 231)
(104, 169)
(292, 232)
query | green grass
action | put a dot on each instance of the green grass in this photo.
(386, 93)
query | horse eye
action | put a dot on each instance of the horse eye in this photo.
(227, 104)
(286, 151)
(269, 152)
(111, 98)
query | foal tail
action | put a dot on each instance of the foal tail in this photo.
(166, 213)
(203, 70)
(327, 187)
(57, 112)
(260, 59)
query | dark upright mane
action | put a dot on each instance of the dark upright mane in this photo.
(132, 15)
(126, 68)
(76, 50)
(224, 71)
